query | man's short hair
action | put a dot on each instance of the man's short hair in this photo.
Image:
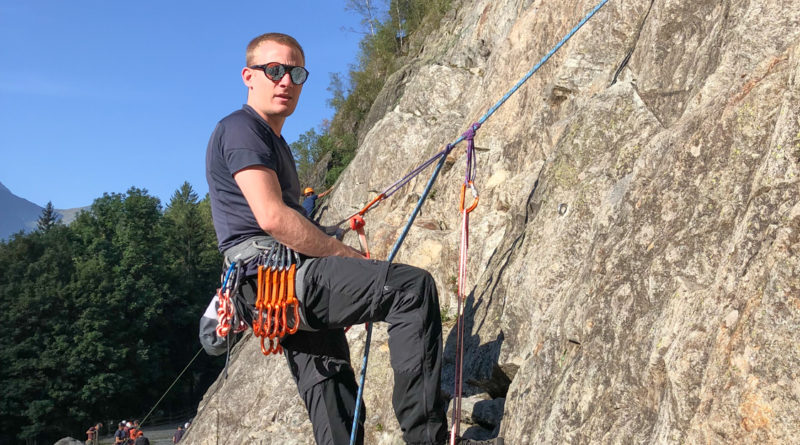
(277, 37)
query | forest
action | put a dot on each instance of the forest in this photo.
(101, 315)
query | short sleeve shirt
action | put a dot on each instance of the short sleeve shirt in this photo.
(240, 140)
(309, 203)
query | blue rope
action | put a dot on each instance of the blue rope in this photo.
(443, 156)
(392, 254)
(536, 67)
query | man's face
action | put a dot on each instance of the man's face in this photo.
(273, 98)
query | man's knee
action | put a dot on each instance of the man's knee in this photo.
(412, 280)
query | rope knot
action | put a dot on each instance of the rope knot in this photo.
(470, 134)
(356, 222)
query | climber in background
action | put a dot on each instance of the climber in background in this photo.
(310, 200)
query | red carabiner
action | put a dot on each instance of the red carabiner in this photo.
(357, 223)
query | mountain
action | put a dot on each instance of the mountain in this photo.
(633, 270)
(17, 213)
(20, 214)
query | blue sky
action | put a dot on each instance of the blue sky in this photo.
(98, 96)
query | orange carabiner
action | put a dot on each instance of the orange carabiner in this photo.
(292, 300)
(277, 290)
(259, 302)
(474, 194)
(264, 349)
(260, 287)
(284, 301)
(274, 346)
(258, 322)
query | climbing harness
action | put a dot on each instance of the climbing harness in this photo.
(468, 184)
(276, 312)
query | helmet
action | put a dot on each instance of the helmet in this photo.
(308, 190)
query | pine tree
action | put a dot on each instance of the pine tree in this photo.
(48, 218)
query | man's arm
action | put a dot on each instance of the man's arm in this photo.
(262, 191)
(325, 192)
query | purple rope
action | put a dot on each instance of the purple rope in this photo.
(469, 136)
(416, 171)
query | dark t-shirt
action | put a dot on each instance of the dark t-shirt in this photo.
(243, 139)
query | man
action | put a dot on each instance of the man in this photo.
(254, 187)
(310, 200)
(141, 439)
(178, 434)
(93, 434)
(120, 437)
(133, 431)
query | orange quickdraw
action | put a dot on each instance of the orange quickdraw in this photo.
(275, 298)
(274, 304)
(291, 301)
(258, 322)
(371, 203)
(474, 195)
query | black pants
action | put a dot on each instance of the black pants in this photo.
(342, 292)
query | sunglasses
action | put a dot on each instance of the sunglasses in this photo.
(275, 72)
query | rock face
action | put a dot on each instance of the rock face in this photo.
(634, 273)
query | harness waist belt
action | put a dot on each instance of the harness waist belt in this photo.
(248, 249)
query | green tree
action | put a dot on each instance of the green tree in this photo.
(121, 292)
(37, 373)
(101, 315)
(307, 154)
(48, 218)
(194, 264)
(369, 10)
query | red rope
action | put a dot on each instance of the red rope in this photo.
(462, 282)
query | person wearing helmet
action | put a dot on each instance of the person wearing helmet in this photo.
(120, 436)
(310, 199)
(254, 189)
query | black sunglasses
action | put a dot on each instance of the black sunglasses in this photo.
(275, 71)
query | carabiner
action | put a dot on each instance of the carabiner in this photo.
(474, 195)
(292, 301)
